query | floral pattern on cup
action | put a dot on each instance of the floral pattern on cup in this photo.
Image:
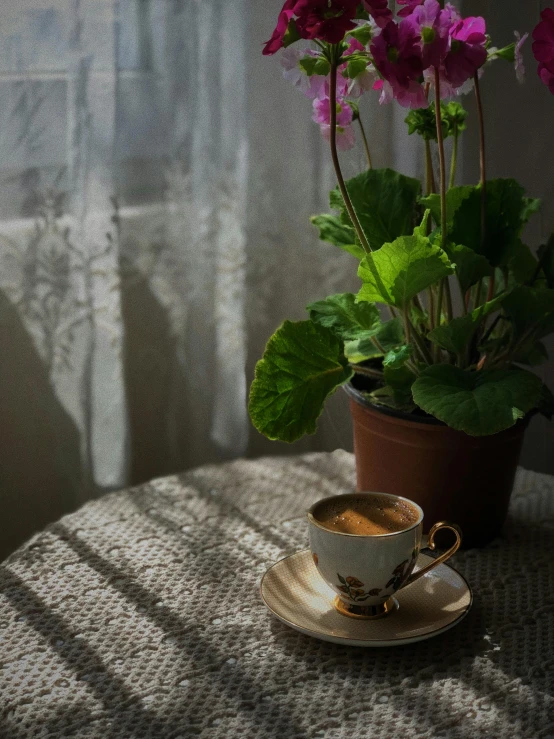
(401, 572)
(353, 588)
(315, 558)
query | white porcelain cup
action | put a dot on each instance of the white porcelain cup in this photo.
(366, 570)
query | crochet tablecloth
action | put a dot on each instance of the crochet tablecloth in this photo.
(139, 616)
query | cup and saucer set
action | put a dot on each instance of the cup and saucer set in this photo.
(368, 585)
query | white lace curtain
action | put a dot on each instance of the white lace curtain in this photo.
(157, 178)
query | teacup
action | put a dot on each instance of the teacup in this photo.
(366, 570)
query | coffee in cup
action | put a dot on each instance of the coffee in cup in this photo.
(366, 516)
(365, 546)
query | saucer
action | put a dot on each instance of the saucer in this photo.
(293, 590)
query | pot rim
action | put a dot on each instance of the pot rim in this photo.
(403, 417)
(361, 399)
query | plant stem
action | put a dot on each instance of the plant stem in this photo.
(377, 374)
(419, 341)
(442, 159)
(454, 160)
(379, 346)
(366, 145)
(412, 367)
(491, 328)
(463, 299)
(478, 293)
(448, 299)
(335, 157)
(430, 184)
(482, 159)
(492, 285)
(438, 307)
(536, 273)
(431, 294)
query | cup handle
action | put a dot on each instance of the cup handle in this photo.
(431, 545)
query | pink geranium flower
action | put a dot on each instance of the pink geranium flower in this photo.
(322, 112)
(410, 5)
(345, 114)
(543, 35)
(543, 47)
(546, 73)
(433, 24)
(413, 96)
(346, 138)
(290, 59)
(276, 41)
(398, 58)
(467, 51)
(327, 20)
(379, 10)
(518, 56)
(452, 13)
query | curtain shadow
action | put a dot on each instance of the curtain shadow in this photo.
(40, 469)
(149, 348)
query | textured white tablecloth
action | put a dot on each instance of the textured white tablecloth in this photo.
(107, 627)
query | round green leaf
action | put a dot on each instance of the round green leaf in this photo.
(303, 364)
(479, 403)
(347, 318)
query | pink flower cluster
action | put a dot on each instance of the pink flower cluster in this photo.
(543, 47)
(406, 52)
(326, 20)
(428, 38)
(317, 88)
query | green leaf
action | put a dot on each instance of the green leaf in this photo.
(346, 318)
(292, 34)
(396, 358)
(508, 53)
(507, 210)
(454, 198)
(400, 270)
(400, 400)
(532, 354)
(546, 257)
(470, 267)
(520, 261)
(531, 311)
(532, 206)
(389, 335)
(456, 335)
(423, 121)
(399, 378)
(385, 203)
(478, 403)
(315, 65)
(397, 392)
(455, 115)
(303, 364)
(362, 34)
(355, 66)
(332, 230)
(341, 579)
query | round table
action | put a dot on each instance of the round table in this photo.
(140, 616)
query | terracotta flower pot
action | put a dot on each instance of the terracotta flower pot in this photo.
(452, 476)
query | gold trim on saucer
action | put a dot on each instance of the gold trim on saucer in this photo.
(367, 613)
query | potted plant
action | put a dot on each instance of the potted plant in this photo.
(436, 347)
